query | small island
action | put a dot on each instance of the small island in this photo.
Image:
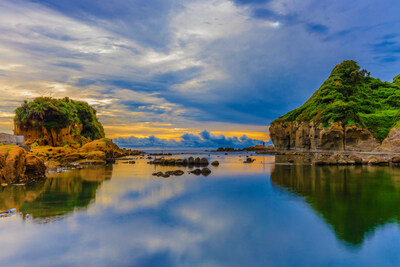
(351, 111)
(58, 133)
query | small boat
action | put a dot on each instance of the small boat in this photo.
(8, 211)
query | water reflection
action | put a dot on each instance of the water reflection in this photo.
(352, 200)
(58, 195)
(234, 217)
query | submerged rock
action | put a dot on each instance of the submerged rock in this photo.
(215, 163)
(178, 173)
(205, 171)
(204, 161)
(168, 173)
(196, 172)
(249, 160)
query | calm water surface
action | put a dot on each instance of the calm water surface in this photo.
(258, 214)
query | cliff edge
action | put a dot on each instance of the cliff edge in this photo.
(57, 122)
(351, 111)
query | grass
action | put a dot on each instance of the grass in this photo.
(352, 97)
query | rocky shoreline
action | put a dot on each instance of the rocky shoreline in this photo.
(338, 158)
(19, 166)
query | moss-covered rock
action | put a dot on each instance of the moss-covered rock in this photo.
(57, 122)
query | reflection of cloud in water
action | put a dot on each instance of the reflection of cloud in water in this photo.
(231, 220)
(133, 187)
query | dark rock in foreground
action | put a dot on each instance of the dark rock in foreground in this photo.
(204, 172)
(17, 165)
(169, 173)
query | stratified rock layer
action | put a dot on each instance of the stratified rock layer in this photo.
(49, 136)
(308, 136)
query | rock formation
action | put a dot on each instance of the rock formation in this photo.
(95, 152)
(57, 122)
(49, 136)
(351, 111)
(17, 165)
(308, 136)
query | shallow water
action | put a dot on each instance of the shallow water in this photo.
(258, 214)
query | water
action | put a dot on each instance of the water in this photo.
(258, 214)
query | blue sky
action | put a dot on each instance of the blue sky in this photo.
(168, 68)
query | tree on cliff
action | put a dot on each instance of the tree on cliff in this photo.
(50, 113)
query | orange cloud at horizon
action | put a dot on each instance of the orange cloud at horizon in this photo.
(169, 131)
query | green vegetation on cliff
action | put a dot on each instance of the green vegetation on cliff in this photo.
(352, 97)
(59, 113)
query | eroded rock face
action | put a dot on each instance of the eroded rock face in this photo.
(17, 165)
(49, 136)
(307, 136)
(392, 142)
(105, 145)
(95, 152)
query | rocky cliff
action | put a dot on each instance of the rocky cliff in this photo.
(57, 122)
(34, 133)
(309, 136)
(351, 111)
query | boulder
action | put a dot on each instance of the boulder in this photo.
(357, 159)
(17, 165)
(374, 160)
(203, 161)
(191, 161)
(249, 160)
(196, 172)
(215, 163)
(205, 171)
(105, 145)
(178, 173)
(35, 166)
(396, 159)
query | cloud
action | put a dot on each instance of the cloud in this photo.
(203, 139)
(188, 63)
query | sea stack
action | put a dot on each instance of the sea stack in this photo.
(351, 111)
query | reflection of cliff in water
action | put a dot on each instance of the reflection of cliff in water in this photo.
(353, 200)
(60, 194)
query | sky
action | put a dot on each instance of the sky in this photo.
(172, 68)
